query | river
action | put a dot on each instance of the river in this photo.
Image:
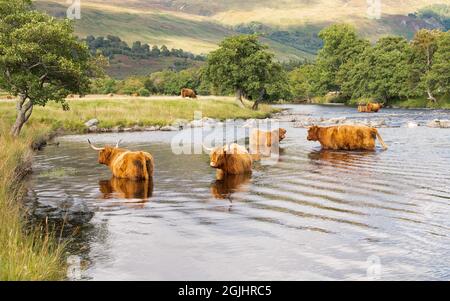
(313, 215)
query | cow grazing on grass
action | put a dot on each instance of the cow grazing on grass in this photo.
(188, 93)
(230, 159)
(125, 164)
(345, 137)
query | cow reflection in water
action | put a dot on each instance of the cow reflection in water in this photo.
(341, 158)
(137, 191)
(229, 184)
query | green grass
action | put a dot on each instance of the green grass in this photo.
(130, 112)
(443, 103)
(24, 254)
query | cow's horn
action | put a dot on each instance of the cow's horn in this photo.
(118, 142)
(209, 149)
(94, 147)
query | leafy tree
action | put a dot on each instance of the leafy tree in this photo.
(41, 60)
(425, 44)
(302, 82)
(341, 45)
(155, 51)
(439, 76)
(164, 50)
(381, 71)
(241, 63)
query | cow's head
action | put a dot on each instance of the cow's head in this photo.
(217, 156)
(281, 134)
(104, 153)
(313, 133)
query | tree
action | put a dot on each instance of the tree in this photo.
(381, 71)
(438, 79)
(41, 60)
(302, 82)
(241, 63)
(341, 45)
(155, 51)
(164, 51)
(425, 44)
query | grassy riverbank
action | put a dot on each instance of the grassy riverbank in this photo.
(24, 254)
(128, 112)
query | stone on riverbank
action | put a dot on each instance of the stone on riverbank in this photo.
(444, 124)
(92, 122)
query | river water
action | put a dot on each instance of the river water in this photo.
(314, 215)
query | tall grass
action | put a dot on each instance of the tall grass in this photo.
(130, 112)
(24, 254)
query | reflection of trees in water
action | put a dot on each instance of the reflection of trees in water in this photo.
(223, 189)
(116, 188)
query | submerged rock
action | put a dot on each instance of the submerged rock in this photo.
(69, 211)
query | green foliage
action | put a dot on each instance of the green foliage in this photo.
(439, 76)
(143, 92)
(302, 82)
(112, 45)
(103, 85)
(381, 72)
(41, 58)
(439, 12)
(341, 46)
(391, 69)
(244, 65)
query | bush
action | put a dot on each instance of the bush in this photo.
(144, 92)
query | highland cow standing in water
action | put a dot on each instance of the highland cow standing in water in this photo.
(188, 93)
(345, 137)
(230, 159)
(125, 164)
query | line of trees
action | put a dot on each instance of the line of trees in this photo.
(112, 45)
(392, 68)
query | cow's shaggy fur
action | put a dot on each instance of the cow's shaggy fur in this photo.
(125, 164)
(185, 92)
(345, 137)
(230, 159)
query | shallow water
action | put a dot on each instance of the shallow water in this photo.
(314, 215)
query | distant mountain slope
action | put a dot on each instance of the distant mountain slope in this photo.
(291, 26)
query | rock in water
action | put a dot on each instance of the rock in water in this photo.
(439, 124)
(92, 122)
(69, 211)
(411, 124)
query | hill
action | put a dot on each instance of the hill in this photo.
(288, 27)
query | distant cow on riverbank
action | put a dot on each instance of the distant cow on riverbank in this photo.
(188, 93)
(345, 137)
(230, 159)
(125, 164)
